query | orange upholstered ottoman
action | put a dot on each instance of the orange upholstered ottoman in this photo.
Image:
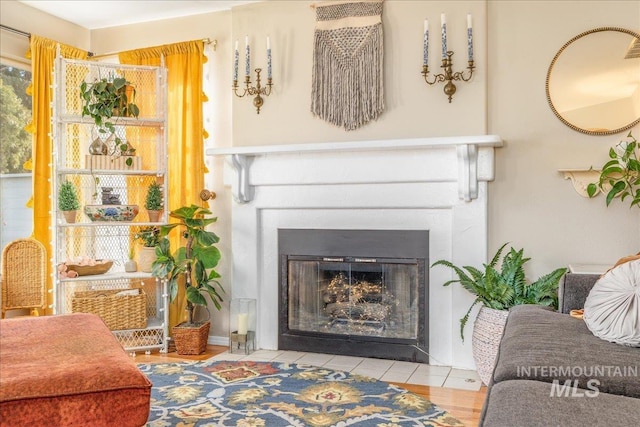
(68, 370)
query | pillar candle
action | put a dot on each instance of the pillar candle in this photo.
(469, 37)
(235, 63)
(243, 323)
(268, 57)
(247, 57)
(425, 46)
(443, 18)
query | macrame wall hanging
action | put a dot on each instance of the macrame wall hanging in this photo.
(347, 81)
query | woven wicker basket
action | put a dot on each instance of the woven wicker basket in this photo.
(117, 311)
(487, 332)
(190, 340)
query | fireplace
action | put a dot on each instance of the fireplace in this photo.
(354, 292)
(437, 184)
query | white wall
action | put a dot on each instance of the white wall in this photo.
(530, 203)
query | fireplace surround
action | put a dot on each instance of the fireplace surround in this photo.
(354, 292)
(435, 184)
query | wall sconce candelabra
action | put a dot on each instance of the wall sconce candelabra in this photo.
(449, 76)
(256, 91)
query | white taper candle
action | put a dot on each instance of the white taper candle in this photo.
(443, 19)
(469, 37)
(247, 57)
(268, 57)
(235, 63)
(425, 45)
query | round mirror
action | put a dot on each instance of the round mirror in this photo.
(593, 82)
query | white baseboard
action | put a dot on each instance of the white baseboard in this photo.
(216, 340)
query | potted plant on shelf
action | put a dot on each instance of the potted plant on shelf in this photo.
(68, 201)
(153, 202)
(193, 263)
(498, 291)
(620, 176)
(103, 100)
(149, 236)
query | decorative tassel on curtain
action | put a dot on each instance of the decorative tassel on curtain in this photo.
(347, 81)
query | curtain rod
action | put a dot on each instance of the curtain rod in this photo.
(91, 54)
(206, 41)
(23, 33)
(13, 30)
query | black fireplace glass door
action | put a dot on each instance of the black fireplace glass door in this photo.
(352, 296)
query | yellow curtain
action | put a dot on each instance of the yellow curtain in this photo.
(186, 166)
(42, 52)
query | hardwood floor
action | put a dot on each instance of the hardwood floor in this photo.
(465, 405)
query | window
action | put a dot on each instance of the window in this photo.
(16, 220)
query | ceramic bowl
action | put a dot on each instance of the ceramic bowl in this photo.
(111, 212)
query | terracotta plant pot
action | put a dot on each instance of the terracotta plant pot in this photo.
(154, 216)
(70, 216)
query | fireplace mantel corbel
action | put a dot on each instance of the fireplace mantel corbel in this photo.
(467, 153)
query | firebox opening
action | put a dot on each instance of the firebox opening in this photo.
(354, 292)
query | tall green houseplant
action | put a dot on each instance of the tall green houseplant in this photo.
(507, 287)
(195, 260)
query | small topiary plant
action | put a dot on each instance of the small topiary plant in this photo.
(154, 197)
(68, 197)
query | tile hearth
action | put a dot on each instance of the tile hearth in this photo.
(384, 370)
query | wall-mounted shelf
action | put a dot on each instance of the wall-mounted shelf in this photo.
(581, 178)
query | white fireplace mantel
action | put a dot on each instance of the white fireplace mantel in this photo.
(434, 184)
(466, 152)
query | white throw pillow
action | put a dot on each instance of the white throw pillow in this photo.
(612, 309)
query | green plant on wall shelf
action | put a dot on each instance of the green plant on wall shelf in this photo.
(620, 176)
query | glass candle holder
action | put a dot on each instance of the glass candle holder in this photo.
(242, 325)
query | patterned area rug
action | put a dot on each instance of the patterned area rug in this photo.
(272, 394)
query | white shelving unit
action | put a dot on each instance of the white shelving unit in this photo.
(99, 239)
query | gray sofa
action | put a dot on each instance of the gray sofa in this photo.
(552, 371)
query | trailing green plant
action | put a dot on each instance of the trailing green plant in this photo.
(149, 236)
(68, 197)
(153, 201)
(194, 261)
(107, 98)
(507, 287)
(620, 176)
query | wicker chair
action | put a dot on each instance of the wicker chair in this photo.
(24, 276)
